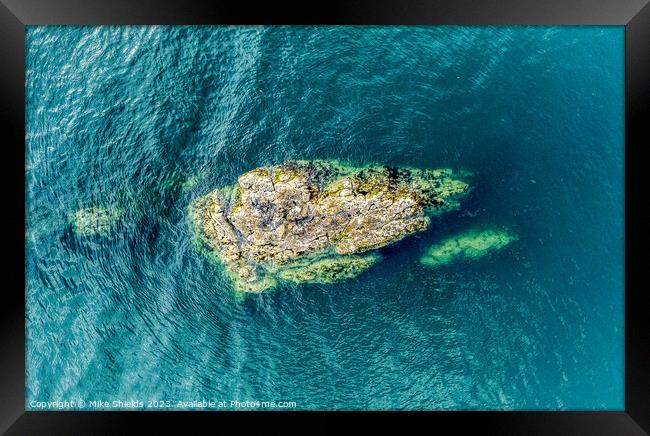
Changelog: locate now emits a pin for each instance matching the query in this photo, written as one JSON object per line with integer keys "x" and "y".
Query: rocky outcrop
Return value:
{"x": 306, "y": 221}
{"x": 471, "y": 244}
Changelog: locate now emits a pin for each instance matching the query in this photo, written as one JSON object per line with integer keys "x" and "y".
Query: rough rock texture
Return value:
{"x": 471, "y": 244}
{"x": 306, "y": 220}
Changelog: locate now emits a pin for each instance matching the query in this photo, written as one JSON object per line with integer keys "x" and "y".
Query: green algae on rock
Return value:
{"x": 327, "y": 270}
{"x": 304, "y": 220}
{"x": 471, "y": 244}
{"x": 95, "y": 221}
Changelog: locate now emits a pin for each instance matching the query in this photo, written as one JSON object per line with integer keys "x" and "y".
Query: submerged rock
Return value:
{"x": 95, "y": 221}
{"x": 470, "y": 244}
{"x": 305, "y": 221}
{"x": 327, "y": 270}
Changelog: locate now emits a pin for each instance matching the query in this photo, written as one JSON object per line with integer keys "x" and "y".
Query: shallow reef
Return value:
{"x": 95, "y": 220}
{"x": 307, "y": 221}
{"x": 328, "y": 269}
{"x": 471, "y": 244}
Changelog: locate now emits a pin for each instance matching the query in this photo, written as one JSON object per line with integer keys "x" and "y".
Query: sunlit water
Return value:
{"x": 150, "y": 117}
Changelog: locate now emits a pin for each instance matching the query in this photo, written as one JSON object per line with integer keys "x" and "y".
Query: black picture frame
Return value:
{"x": 633, "y": 14}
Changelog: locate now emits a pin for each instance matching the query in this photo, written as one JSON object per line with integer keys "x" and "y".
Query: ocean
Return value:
{"x": 147, "y": 118}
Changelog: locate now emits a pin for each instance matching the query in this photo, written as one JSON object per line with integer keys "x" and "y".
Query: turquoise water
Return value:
{"x": 148, "y": 118}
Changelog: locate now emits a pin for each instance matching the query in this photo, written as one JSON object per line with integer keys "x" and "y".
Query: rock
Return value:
{"x": 327, "y": 270}
{"x": 95, "y": 221}
{"x": 472, "y": 244}
{"x": 306, "y": 220}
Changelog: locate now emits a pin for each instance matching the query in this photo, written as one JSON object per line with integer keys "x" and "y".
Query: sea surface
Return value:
{"x": 148, "y": 118}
